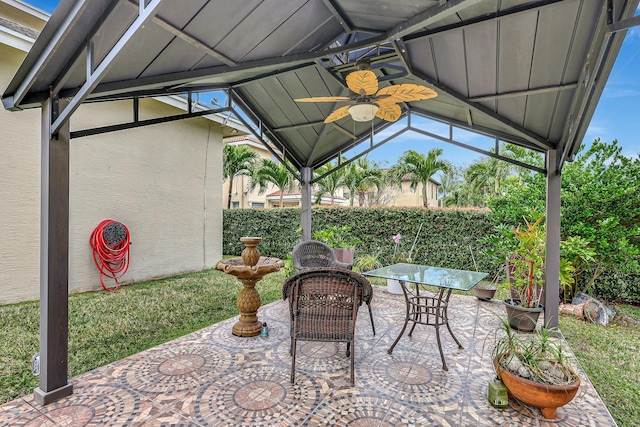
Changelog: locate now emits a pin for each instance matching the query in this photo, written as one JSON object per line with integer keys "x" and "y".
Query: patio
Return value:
{"x": 211, "y": 377}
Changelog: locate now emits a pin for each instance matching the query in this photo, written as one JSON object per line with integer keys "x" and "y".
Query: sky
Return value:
{"x": 617, "y": 115}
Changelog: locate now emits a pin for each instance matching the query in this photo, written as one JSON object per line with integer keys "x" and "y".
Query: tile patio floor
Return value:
{"x": 212, "y": 378}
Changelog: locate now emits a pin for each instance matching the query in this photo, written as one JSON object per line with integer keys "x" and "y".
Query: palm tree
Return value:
{"x": 419, "y": 168}
{"x": 270, "y": 172}
{"x": 361, "y": 177}
{"x": 237, "y": 160}
{"x": 330, "y": 183}
{"x": 449, "y": 185}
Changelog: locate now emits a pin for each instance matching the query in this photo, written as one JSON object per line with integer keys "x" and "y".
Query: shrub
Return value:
{"x": 447, "y": 238}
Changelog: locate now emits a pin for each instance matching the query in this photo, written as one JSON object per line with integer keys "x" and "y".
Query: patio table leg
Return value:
{"x": 437, "y": 325}
{"x": 406, "y": 318}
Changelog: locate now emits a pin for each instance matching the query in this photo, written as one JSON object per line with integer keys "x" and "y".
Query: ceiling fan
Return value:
{"x": 367, "y": 101}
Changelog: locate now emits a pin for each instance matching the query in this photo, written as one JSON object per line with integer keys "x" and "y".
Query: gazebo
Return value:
{"x": 519, "y": 71}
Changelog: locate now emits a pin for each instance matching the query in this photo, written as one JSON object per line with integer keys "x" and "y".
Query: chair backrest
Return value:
{"x": 323, "y": 303}
{"x": 313, "y": 254}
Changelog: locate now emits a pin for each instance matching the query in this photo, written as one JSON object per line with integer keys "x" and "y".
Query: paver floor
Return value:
{"x": 212, "y": 378}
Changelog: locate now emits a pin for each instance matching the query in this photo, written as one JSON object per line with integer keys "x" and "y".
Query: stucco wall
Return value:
{"x": 406, "y": 197}
{"x": 163, "y": 181}
{"x": 19, "y": 193}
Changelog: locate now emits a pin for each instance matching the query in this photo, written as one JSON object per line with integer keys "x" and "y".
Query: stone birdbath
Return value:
{"x": 249, "y": 269}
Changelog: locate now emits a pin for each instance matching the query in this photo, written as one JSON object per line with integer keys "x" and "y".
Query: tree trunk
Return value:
{"x": 281, "y": 198}
{"x": 230, "y": 189}
{"x": 425, "y": 200}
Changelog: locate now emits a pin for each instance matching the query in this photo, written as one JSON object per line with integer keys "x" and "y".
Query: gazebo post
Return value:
{"x": 305, "y": 219}
{"x": 54, "y": 258}
{"x": 552, "y": 257}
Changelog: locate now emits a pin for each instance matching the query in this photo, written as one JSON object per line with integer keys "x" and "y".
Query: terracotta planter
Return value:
{"x": 522, "y": 319}
{"x": 484, "y": 292}
{"x": 345, "y": 255}
{"x": 544, "y": 396}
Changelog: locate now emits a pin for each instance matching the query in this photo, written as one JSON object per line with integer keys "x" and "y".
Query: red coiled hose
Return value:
{"x": 110, "y": 242}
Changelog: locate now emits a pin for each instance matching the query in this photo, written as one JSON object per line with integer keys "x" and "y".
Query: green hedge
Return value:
{"x": 447, "y": 237}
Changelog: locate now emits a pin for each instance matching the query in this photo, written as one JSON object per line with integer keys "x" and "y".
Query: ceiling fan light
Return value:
{"x": 363, "y": 111}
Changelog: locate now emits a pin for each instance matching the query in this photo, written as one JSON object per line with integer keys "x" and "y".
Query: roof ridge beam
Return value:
{"x": 94, "y": 77}
{"x": 198, "y": 44}
{"x": 427, "y": 17}
{"x": 478, "y": 108}
{"x": 526, "y": 92}
{"x": 344, "y": 22}
{"x": 47, "y": 53}
{"x": 485, "y": 18}
{"x": 183, "y": 77}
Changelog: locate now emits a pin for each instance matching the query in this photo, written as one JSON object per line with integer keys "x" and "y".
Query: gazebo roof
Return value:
{"x": 527, "y": 72}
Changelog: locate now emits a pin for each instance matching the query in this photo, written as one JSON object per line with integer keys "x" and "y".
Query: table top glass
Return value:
{"x": 462, "y": 280}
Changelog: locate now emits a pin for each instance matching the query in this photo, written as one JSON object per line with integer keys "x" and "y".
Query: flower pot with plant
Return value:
{"x": 525, "y": 276}
{"x": 340, "y": 240}
{"x": 534, "y": 368}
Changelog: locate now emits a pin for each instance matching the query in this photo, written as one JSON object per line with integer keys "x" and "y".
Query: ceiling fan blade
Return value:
{"x": 407, "y": 92}
{"x": 323, "y": 99}
{"x": 363, "y": 80}
{"x": 338, "y": 114}
{"x": 389, "y": 112}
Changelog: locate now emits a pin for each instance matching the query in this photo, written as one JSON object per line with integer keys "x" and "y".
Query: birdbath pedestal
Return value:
{"x": 249, "y": 269}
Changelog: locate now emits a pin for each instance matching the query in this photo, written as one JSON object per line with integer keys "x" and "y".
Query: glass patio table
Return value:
{"x": 428, "y": 309}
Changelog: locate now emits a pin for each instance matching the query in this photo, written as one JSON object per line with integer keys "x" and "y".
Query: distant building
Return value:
{"x": 406, "y": 197}
{"x": 244, "y": 198}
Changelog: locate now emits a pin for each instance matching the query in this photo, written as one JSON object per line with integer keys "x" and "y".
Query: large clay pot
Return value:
{"x": 484, "y": 292}
{"x": 522, "y": 319}
{"x": 544, "y": 396}
{"x": 345, "y": 254}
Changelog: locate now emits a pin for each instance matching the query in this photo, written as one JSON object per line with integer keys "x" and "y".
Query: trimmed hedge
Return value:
{"x": 447, "y": 238}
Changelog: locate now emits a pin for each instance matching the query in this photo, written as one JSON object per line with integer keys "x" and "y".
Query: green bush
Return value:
{"x": 600, "y": 204}
{"x": 447, "y": 237}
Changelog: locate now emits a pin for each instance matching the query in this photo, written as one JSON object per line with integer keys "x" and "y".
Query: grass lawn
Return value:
{"x": 105, "y": 327}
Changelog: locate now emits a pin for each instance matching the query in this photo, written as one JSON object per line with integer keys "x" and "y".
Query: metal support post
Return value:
{"x": 305, "y": 220}
{"x": 552, "y": 258}
{"x": 54, "y": 259}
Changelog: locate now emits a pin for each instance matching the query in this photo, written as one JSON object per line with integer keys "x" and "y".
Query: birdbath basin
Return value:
{"x": 249, "y": 269}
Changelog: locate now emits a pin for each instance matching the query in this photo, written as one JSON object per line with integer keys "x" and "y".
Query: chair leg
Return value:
{"x": 348, "y": 349}
{"x": 371, "y": 316}
{"x": 293, "y": 360}
{"x": 352, "y": 366}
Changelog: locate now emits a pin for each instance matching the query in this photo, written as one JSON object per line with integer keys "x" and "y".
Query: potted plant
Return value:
{"x": 366, "y": 262}
{"x": 525, "y": 276}
{"x": 525, "y": 271}
{"x": 340, "y": 240}
{"x": 534, "y": 368}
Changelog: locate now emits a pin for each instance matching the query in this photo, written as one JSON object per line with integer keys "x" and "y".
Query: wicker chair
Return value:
{"x": 323, "y": 306}
{"x": 314, "y": 254}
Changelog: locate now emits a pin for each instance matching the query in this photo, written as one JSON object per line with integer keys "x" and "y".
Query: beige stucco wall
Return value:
{"x": 406, "y": 197}
{"x": 163, "y": 181}
{"x": 19, "y": 193}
